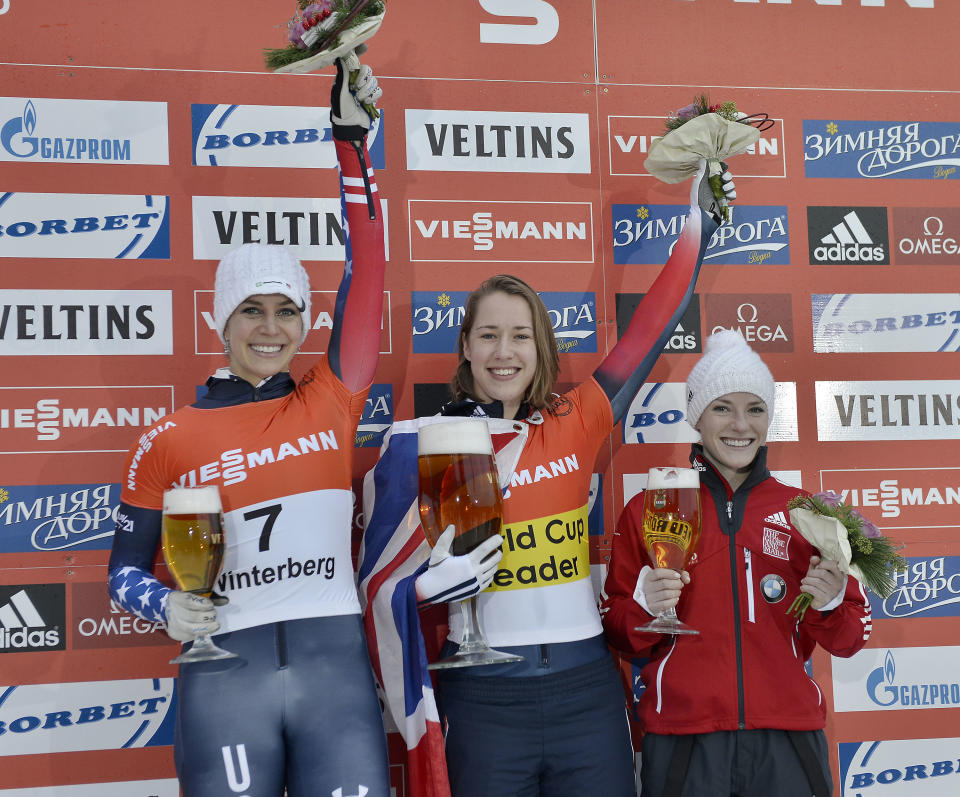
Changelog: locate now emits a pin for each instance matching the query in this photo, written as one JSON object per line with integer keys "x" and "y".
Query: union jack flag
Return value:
{"x": 393, "y": 553}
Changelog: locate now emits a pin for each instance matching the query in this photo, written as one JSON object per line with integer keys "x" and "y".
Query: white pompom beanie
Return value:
{"x": 259, "y": 269}
{"x": 728, "y": 365}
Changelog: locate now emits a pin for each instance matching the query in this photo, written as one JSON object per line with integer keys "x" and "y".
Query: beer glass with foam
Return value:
{"x": 671, "y": 529}
{"x": 459, "y": 486}
{"x": 193, "y": 543}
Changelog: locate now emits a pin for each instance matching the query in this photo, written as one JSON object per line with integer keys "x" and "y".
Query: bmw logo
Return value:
{"x": 773, "y": 588}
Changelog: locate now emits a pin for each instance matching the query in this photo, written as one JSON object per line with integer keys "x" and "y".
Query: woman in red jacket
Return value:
{"x": 733, "y": 710}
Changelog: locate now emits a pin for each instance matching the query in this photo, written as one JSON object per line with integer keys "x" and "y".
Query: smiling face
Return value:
{"x": 264, "y": 334}
{"x": 502, "y": 351}
{"x": 733, "y": 427}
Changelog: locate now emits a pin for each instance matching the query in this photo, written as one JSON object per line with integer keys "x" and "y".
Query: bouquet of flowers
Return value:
{"x": 324, "y": 30}
{"x": 701, "y": 130}
{"x": 841, "y": 533}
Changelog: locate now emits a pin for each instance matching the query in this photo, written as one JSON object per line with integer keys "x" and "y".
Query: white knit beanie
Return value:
{"x": 728, "y": 365}
{"x": 259, "y": 269}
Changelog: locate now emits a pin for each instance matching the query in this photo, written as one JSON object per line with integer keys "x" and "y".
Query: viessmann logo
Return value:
{"x": 848, "y": 236}
{"x": 78, "y": 322}
{"x": 78, "y": 419}
{"x": 507, "y": 231}
{"x": 132, "y": 227}
{"x": 318, "y": 338}
{"x": 32, "y": 618}
{"x": 288, "y": 136}
{"x": 83, "y": 131}
{"x": 497, "y": 141}
{"x": 311, "y": 228}
{"x": 57, "y": 517}
{"x": 899, "y": 150}
{"x": 630, "y": 139}
{"x": 647, "y": 234}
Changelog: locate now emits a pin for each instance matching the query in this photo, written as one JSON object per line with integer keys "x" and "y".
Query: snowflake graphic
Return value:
{"x": 443, "y": 300}
{"x": 4, "y": 496}
{"x": 832, "y": 128}
{"x": 642, "y": 213}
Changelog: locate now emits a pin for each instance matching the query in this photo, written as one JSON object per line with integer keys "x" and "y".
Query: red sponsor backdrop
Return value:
{"x": 617, "y": 69}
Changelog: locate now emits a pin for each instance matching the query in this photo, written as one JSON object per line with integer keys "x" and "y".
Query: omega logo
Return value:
{"x": 741, "y": 313}
{"x": 926, "y": 226}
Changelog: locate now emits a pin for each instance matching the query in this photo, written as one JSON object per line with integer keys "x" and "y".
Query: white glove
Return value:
{"x": 353, "y": 99}
{"x": 454, "y": 578}
{"x": 190, "y": 615}
{"x": 701, "y": 192}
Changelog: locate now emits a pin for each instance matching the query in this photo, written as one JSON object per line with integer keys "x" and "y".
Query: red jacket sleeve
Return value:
{"x": 620, "y": 613}
{"x": 842, "y": 631}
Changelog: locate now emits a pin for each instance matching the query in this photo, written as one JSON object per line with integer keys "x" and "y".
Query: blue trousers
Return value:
{"x": 298, "y": 710}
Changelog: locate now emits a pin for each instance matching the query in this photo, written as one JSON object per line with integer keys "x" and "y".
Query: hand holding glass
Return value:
{"x": 671, "y": 530}
{"x": 193, "y": 544}
{"x": 459, "y": 486}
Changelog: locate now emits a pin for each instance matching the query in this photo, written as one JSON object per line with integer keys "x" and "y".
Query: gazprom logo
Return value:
{"x": 758, "y": 235}
{"x": 98, "y": 226}
{"x": 281, "y": 136}
{"x": 83, "y": 131}
{"x": 377, "y": 416}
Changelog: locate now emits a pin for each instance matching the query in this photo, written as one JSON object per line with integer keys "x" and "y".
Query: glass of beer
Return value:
{"x": 193, "y": 544}
{"x": 671, "y": 530}
{"x": 459, "y": 486}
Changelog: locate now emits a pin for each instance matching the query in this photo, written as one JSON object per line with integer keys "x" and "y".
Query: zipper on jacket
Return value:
{"x": 734, "y": 582}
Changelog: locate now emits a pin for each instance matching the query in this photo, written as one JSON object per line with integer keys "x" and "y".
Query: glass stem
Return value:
{"x": 472, "y": 637}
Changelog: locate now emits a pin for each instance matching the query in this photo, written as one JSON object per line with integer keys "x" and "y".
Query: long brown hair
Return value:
{"x": 548, "y": 362}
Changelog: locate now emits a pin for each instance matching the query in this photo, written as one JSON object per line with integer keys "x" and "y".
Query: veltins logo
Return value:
{"x": 848, "y": 236}
{"x": 318, "y": 338}
{"x": 893, "y": 410}
{"x": 98, "y": 715}
{"x": 657, "y": 414}
{"x": 883, "y": 679}
{"x": 465, "y": 231}
{"x": 899, "y": 767}
{"x": 911, "y": 150}
{"x": 648, "y": 233}
{"x": 765, "y": 319}
{"x": 32, "y": 618}
{"x": 99, "y": 623}
{"x": 497, "y": 141}
{"x": 902, "y": 497}
{"x": 437, "y": 318}
{"x": 377, "y": 416}
{"x": 61, "y": 420}
{"x": 83, "y": 131}
{"x": 929, "y": 587}
{"x": 311, "y": 228}
{"x": 886, "y": 322}
{"x": 285, "y": 136}
{"x": 77, "y": 322}
{"x": 926, "y": 236}
{"x": 57, "y": 517}
{"x": 686, "y": 338}
{"x": 630, "y": 139}
{"x": 133, "y": 227}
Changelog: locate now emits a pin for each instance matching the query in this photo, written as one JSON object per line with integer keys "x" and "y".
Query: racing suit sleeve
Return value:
{"x": 845, "y": 630}
{"x": 355, "y": 341}
{"x": 136, "y": 540}
{"x": 619, "y": 610}
{"x": 629, "y": 363}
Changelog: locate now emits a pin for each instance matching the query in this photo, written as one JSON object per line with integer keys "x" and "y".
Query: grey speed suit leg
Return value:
{"x": 299, "y": 710}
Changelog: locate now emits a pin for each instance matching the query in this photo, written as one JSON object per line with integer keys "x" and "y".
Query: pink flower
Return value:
{"x": 296, "y": 34}
{"x": 688, "y": 111}
{"x": 868, "y": 528}
{"x": 830, "y": 498}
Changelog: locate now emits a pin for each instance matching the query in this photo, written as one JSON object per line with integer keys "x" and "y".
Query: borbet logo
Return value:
{"x": 83, "y": 322}
{"x": 848, "y": 236}
{"x": 31, "y": 617}
{"x": 630, "y": 139}
{"x": 511, "y": 231}
{"x": 78, "y": 419}
{"x": 497, "y": 141}
{"x": 764, "y": 320}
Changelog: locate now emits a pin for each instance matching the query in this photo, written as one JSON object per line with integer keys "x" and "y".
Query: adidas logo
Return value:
{"x": 778, "y": 519}
{"x": 22, "y": 627}
{"x": 848, "y": 242}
